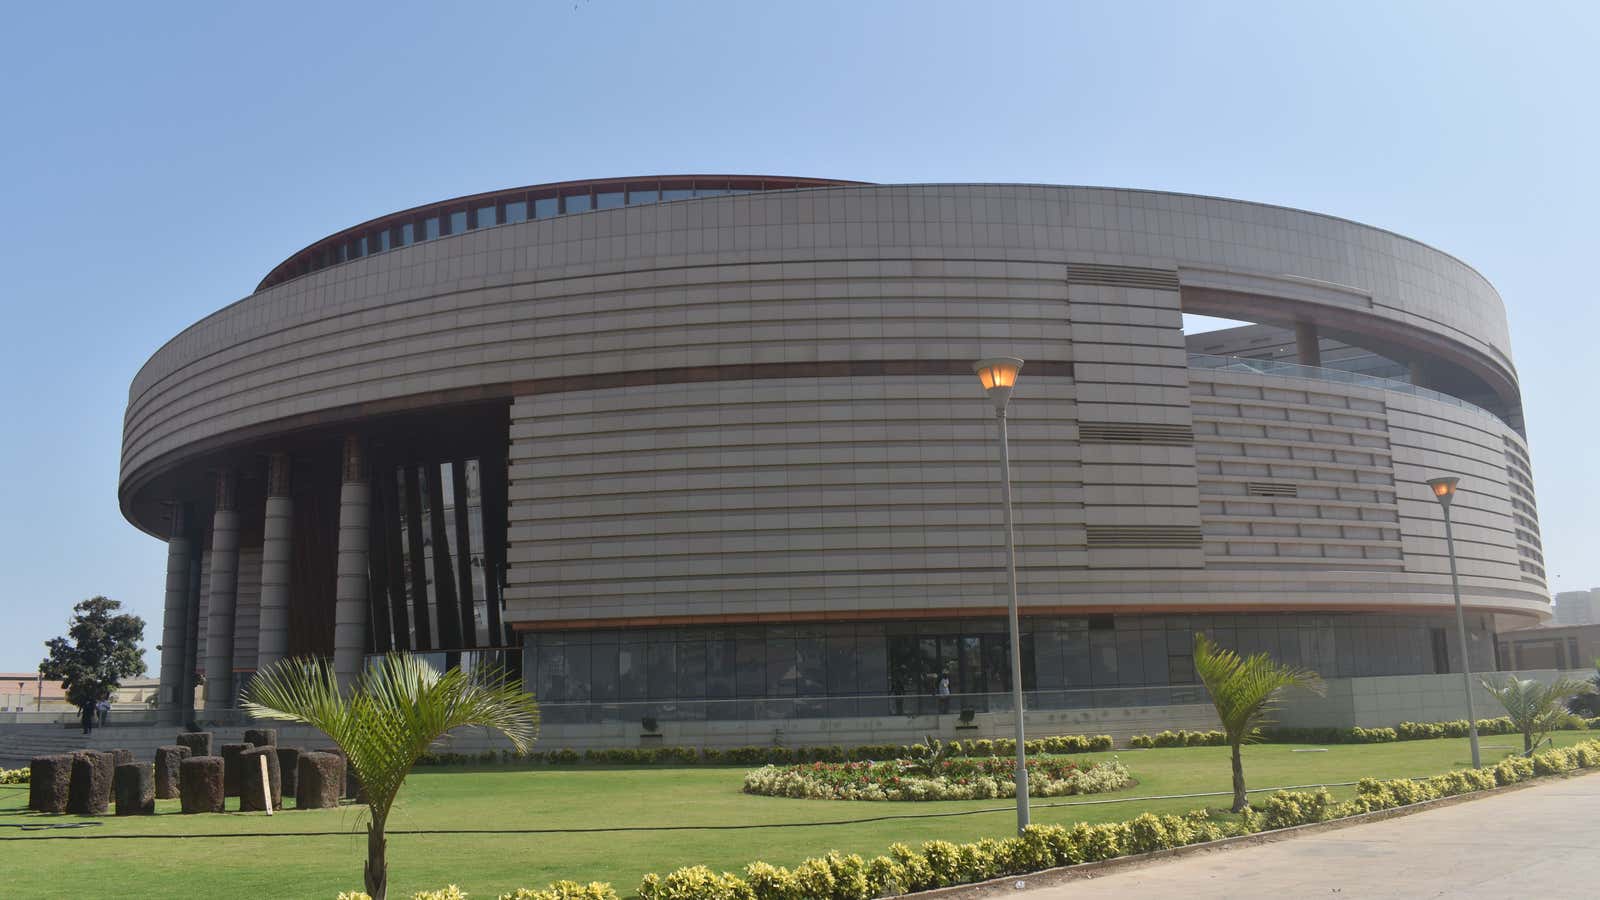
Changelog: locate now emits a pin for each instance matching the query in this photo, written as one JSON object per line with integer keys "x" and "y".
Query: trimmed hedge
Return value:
{"x": 14, "y": 776}
{"x": 1179, "y": 739}
{"x": 760, "y": 756}
{"x": 1405, "y": 731}
{"x": 936, "y": 864}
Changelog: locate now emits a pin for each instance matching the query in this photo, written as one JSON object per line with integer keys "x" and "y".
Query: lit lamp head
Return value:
{"x": 998, "y": 375}
{"x": 1444, "y": 488}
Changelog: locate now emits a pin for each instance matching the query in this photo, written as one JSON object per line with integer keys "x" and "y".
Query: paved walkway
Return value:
{"x": 1536, "y": 842}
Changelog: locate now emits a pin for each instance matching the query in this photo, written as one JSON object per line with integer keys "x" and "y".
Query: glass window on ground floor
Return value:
{"x": 877, "y": 668}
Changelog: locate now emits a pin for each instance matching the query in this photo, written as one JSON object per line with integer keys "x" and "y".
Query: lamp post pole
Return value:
{"x": 998, "y": 377}
{"x": 1444, "y": 489}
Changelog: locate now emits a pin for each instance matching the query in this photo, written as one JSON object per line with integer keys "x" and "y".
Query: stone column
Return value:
{"x": 275, "y": 554}
{"x": 1307, "y": 344}
{"x": 350, "y": 592}
{"x": 175, "y": 624}
{"x": 1417, "y": 372}
{"x": 224, "y": 588}
{"x": 191, "y": 644}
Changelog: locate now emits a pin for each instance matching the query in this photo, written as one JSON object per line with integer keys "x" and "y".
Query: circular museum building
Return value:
{"x": 711, "y": 448}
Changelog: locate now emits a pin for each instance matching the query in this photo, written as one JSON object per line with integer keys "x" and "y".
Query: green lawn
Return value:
{"x": 316, "y": 853}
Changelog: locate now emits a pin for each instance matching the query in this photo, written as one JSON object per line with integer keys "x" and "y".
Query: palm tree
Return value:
{"x": 1536, "y": 708}
{"x": 395, "y": 710}
{"x": 1245, "y": 690}
{"x": 1588, "y": 704}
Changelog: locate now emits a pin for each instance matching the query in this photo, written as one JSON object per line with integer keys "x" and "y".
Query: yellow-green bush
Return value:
{"x": 886, "y": 877}
{"x": 449, "y": 892}
{"x": 14, "y": 776}
{"x": 1097, "y": 842}
{"x": 1285, "y": 809}
{"x": 1144, "y": 834}
{"x": 565, "y": 890}
{"x": 561, "y": 890}
{"x": 1513, "y": 769}
{"x": 918, "y": 873}
{"x": 695, "y": 883}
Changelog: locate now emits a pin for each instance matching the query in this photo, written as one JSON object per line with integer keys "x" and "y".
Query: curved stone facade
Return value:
{"x": 757, "y": 410}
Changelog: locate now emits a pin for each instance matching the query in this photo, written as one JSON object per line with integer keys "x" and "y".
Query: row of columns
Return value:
{"x": 178, "y": 648}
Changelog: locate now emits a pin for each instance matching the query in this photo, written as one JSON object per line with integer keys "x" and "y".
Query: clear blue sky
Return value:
{"x": 158, "y": 159}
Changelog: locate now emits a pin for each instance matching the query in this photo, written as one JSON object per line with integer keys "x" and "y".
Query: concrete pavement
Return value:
{"x": 1535, "y": 842}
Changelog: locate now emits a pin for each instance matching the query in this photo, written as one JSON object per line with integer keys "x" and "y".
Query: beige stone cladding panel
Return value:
{"x": 695, "y": 283}
{"x": 1433, "y": 438}
{"x": 1131, "y": 372}
{"x": 1295, "y": 473}
{"x": 701, "y": 283}
{"x": 1315, "y": 258}
{"x": 786, "y": 496}
{"x": 1409, "y": 439}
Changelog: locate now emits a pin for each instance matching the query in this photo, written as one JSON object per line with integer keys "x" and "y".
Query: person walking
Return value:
{"x": 103, "y": 708}
{"x": 943, "y": 690}
{"x": 86, "y": 715}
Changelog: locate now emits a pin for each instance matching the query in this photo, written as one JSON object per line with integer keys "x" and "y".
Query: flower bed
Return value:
{"x": 946, "y": 779}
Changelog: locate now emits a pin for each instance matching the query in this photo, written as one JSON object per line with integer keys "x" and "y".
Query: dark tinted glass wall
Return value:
{"x": 886, "y": 668}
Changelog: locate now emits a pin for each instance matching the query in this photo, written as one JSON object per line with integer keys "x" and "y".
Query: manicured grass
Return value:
{"x": 316, "y": 853}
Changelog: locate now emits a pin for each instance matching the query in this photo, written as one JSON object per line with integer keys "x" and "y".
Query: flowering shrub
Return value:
{"x": 14, "y": 776}
{"x": 948, "y": 779}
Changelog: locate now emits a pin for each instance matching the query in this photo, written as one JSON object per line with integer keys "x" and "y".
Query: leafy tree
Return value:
{"x": 101, "y": 648}
{"x": 1536, "y": 708}
{"x": 396, "y": 709}
{"x": 1245, "y": 691}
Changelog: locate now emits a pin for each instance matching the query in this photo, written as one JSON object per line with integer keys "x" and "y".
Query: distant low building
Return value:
{"x": 27, "y": 692}
{"x": 1550, "y": 647}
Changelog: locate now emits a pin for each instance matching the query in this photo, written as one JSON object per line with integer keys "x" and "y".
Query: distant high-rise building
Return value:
{"x": 1578, "y": 607}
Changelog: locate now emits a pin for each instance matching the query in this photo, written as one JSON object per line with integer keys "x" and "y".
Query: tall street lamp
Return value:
{"x": 999, "y": 376}
{"x": 1444, "y": 490}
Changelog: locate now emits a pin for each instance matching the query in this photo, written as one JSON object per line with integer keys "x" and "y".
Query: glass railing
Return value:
{"x": 1277, "y": 369}
{"x": 509, "y": 207}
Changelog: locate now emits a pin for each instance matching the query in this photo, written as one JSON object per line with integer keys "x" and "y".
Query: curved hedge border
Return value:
{"x": 944, "y": 864}
{"x": 950, "y": 779}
